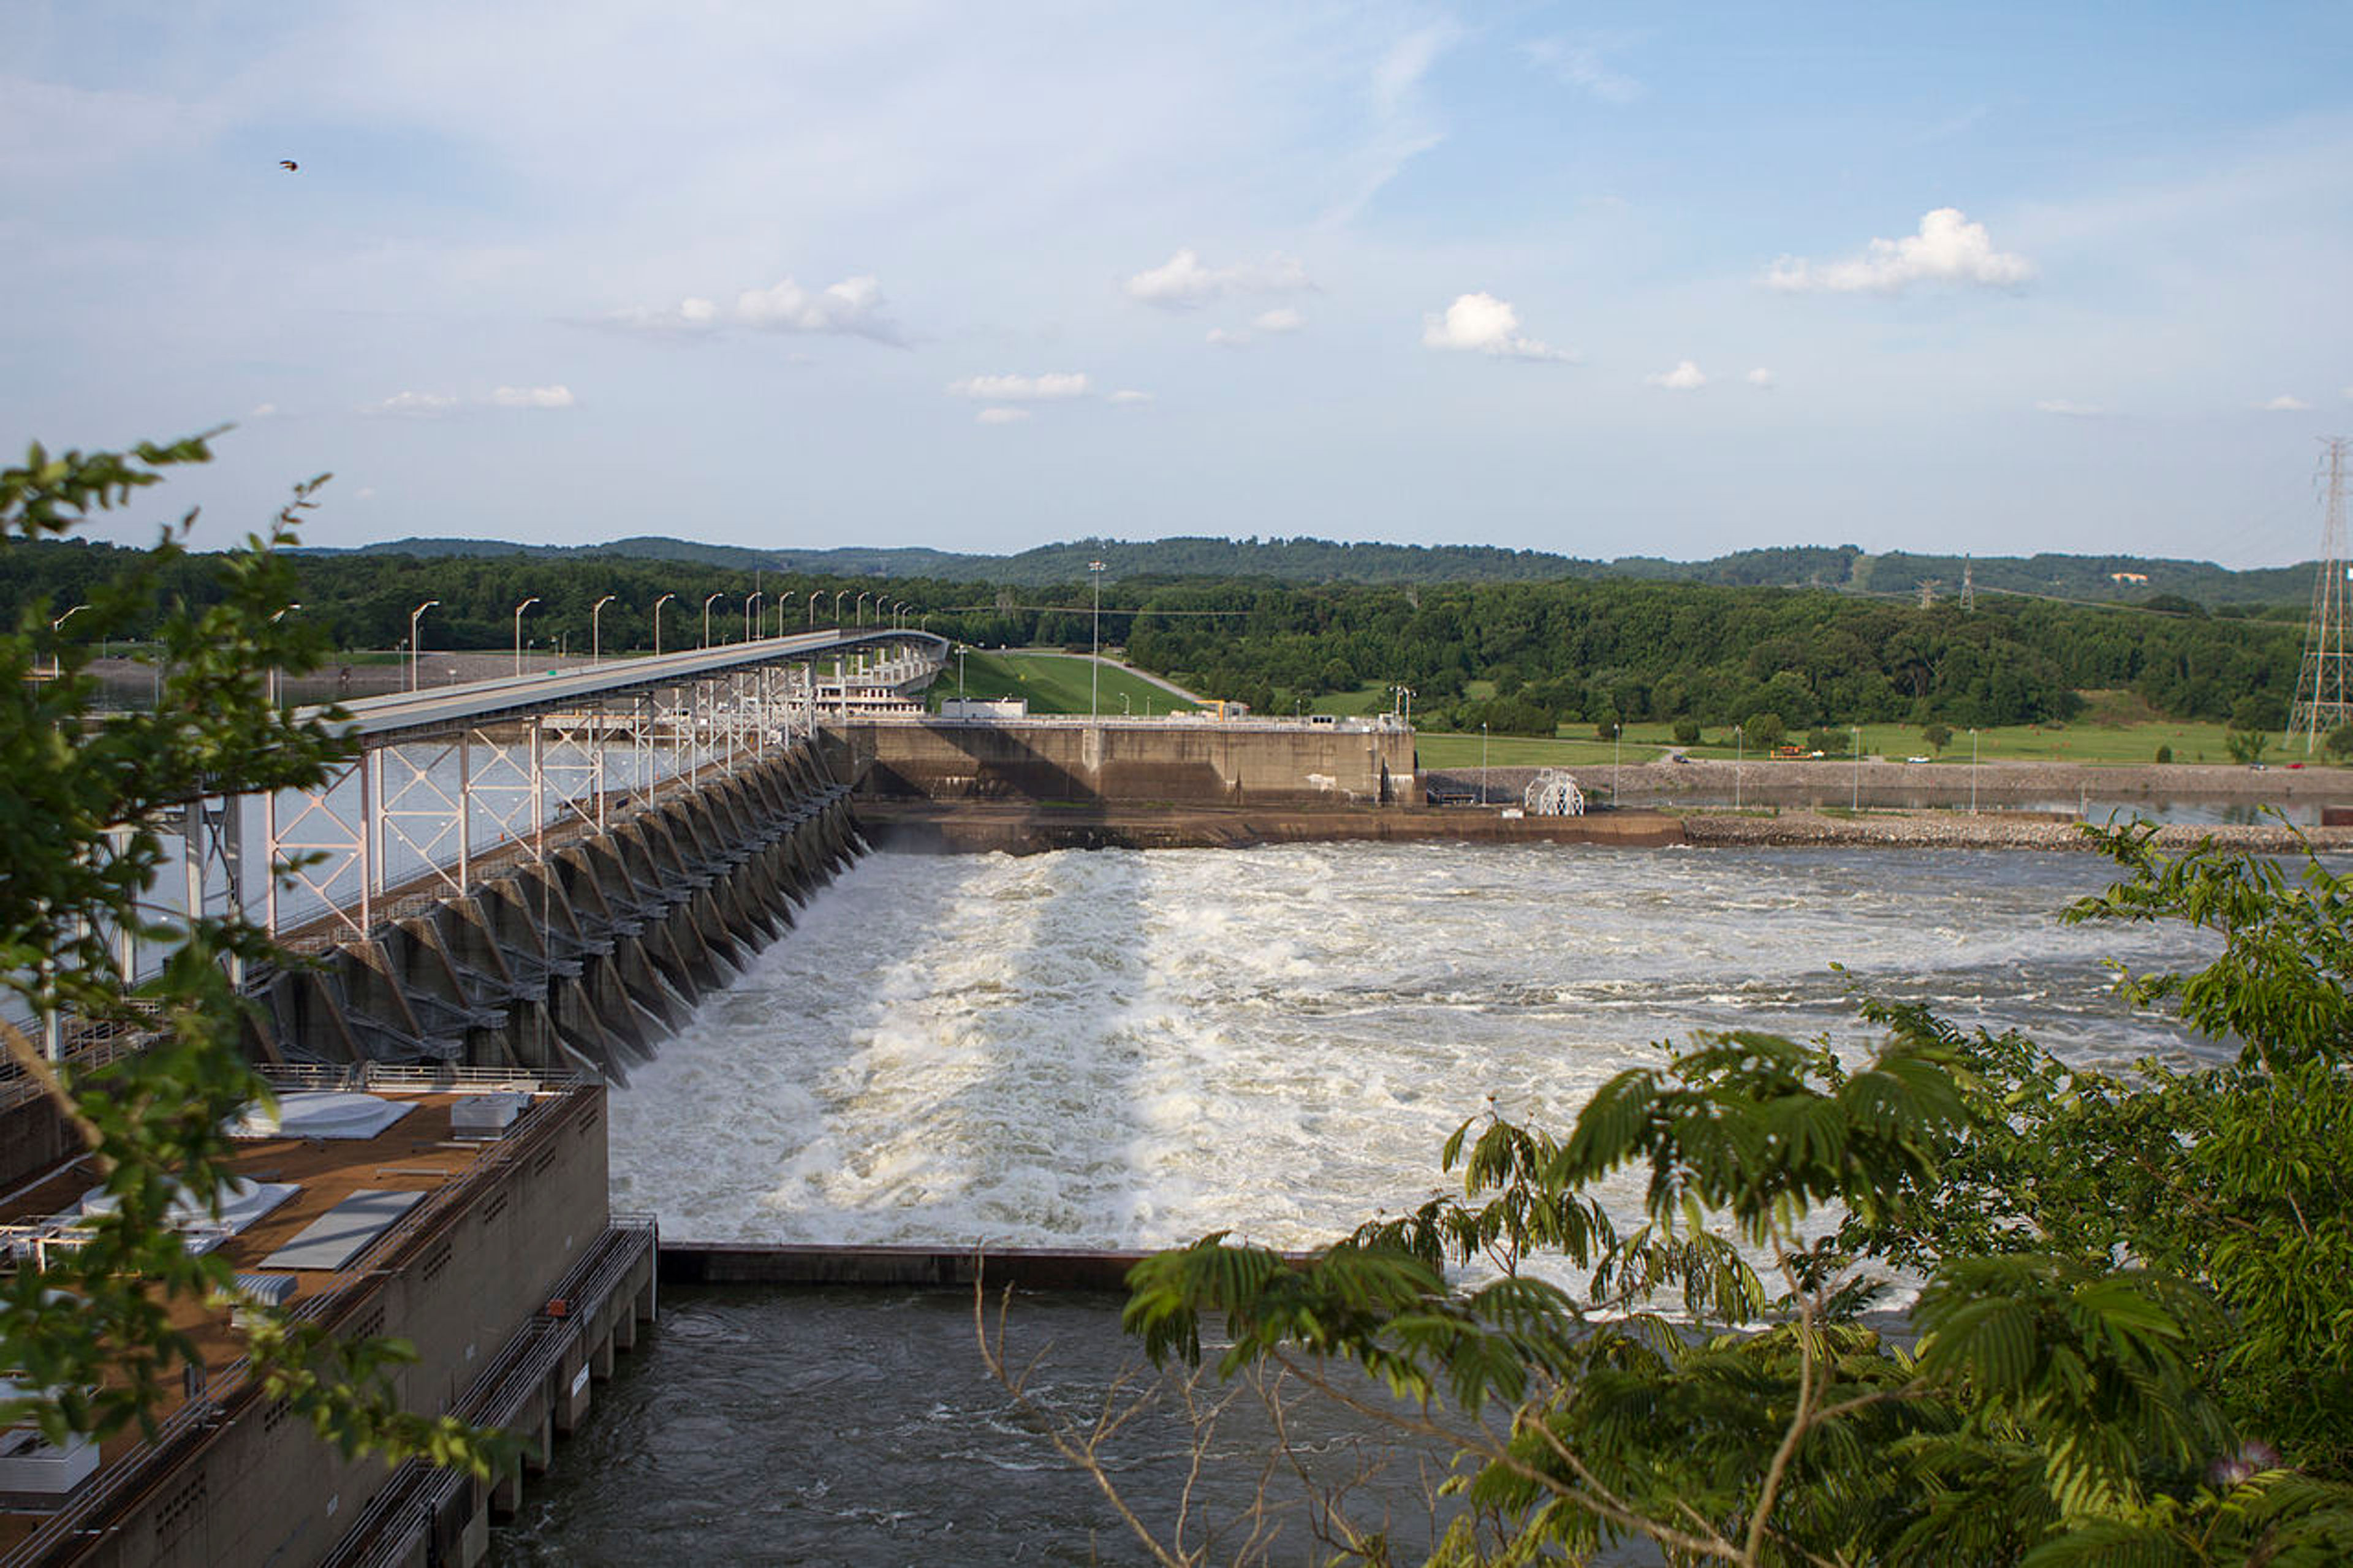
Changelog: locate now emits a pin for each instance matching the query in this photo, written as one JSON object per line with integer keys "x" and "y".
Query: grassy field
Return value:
{"x": 2094, "y": 744}
{"x": 1054, "y": 683}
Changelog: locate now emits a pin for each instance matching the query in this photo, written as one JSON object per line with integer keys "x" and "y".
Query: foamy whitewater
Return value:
{"x": 1123, "y": 1049}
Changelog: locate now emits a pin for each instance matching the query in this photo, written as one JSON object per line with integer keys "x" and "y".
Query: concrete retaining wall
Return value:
{"x": 1244, "y": 763}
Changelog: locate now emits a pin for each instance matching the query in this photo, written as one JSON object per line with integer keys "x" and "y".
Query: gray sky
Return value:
{"x": 1606, "y": 279}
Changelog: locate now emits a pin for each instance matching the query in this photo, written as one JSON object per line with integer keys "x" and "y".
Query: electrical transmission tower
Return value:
{"x": 1968, "y": 583}
{"x": 1928, "y": 586}
{"x": 2322, "y": 702}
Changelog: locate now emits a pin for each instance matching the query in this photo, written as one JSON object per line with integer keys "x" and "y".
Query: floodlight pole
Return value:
{"x": 596, "y": 629}
{"x": 526, "y": 605}
{"x": 1094, "y": 664}
{"x": 414, "y": 616}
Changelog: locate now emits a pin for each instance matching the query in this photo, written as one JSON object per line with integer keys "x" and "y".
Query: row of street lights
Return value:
{"x": 899, "y": 610}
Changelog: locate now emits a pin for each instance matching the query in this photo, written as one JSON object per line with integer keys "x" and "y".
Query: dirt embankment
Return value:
{"x": 1877, "y": 782}
{"x": 1986, "y": 830}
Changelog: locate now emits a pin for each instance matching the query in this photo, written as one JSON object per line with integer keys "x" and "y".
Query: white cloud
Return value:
{"x": 852, "y": 308}
{"x": 1484, "y": 324}
{"x": 416, "y": 404}
{"x": 1001, "y": 415}
{"x": 2066, "y": 409}
{"x": 1578, "y": 63}
{"x": 1759, "y": 378}
{"x": 691, "y": 316}
{"x": 531, "y": 397}
{"x": 1283, "y": 318}
{"x": 1948, "y": 249}
{"x": 1020, "y": 388}
{"x": 1182, "y": 283}
{"x": 1685, "y": 377}
{"x": 2286, "y": 403}
{"x": 428, "y": 405}
{"x": 1226, "y": 337}
{"x": 1402, "y": 125}
{"x": 1126, "y": 399}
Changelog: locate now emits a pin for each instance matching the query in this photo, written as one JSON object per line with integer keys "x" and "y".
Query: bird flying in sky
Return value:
{"x": 288, "y": 165}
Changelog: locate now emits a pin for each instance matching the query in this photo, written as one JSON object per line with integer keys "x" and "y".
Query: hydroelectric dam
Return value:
{"x": 506, "y": 901}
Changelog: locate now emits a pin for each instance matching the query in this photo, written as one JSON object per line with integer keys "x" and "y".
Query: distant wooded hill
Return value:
{"x": 2100, "y": 578}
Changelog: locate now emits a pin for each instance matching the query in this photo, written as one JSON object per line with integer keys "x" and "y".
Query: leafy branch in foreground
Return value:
{"x": 2131, "y": 1335}
{"x": 89, "y": 1333}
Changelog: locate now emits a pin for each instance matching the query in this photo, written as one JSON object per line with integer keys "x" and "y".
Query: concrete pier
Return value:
{"x": 586, "y": 957}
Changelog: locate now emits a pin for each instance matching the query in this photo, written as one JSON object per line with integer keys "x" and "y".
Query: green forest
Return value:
{"x": 1895, "y": 574}
{"x": 1521, "y": 657}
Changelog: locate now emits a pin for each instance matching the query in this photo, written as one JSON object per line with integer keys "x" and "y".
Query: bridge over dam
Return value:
{"x": 544, "y": 873}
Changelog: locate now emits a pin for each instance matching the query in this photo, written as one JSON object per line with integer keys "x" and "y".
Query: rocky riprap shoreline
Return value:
{"x": 1986, "y": 830}
{"x": 1878, "y": 781}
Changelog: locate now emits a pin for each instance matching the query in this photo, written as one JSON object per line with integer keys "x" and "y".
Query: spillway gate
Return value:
{"x": 545, "y": 872}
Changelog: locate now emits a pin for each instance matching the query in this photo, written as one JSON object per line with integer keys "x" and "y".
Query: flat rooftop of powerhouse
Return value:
{"x": 419, "y": 1155}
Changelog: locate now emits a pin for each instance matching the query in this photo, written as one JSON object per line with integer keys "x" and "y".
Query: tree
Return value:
{"x": 2338, "y": 743}
{"x": 2134, "y": 1334}
{"x": 81, "y": 844}
{"x": 1765, "y": 730}
{"x": 2245, "y": 746}
{"x": 1687, "y": 731}
{"x": 1938, "y": 737}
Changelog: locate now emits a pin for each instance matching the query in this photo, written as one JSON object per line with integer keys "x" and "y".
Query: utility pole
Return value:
{"x": 1094, "y": 665}
{"x": 2321, "y": 699}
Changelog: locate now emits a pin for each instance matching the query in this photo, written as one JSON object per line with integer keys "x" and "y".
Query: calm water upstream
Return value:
{"x": 1123, "y": 1049}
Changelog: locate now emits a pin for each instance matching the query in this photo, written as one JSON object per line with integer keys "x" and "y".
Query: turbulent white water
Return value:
{"x": 1124, "y": 1049}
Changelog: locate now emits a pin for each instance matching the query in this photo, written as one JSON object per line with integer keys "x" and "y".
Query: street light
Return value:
{"x": 1739, "y": 754}
{"x": 706, "y": 616}
{"x": 812, "y": 599}
{"x": 860, "y": 608}
{"x": 595, "y": 631}
{"x": 1973, "y": 770}
{"x": 751, "y": 614}
{"x": 838, "y": 597}
{"x": 526, "y": 605}
{"x": 274, "y": 671}
{"x": 56, "y": 659}
{"x": 1094, "y": 664}
{"x": 664, "y": 599}
{"x": 1482, "y": 761}
{"x": 416, "y": 616}
{"x": 1855, "y": 799}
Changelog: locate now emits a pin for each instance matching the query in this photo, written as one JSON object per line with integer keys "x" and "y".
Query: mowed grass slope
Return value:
{"x": 1054, "y": 683}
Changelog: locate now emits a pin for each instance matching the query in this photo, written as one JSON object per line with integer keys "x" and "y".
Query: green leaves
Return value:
{"x": 89, "y": 798}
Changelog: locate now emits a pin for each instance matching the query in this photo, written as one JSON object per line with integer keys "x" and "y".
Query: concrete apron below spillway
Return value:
{"x": 583, "y": 961}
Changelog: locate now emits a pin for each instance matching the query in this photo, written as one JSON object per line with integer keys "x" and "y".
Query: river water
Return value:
{"x": 1126, "y": 1050}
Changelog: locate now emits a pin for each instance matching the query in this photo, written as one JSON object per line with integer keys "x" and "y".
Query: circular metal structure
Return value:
{"x": 1552, "y": 793}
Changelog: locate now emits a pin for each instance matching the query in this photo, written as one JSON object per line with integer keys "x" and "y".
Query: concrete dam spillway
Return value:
{"x": 588, "y": 958}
